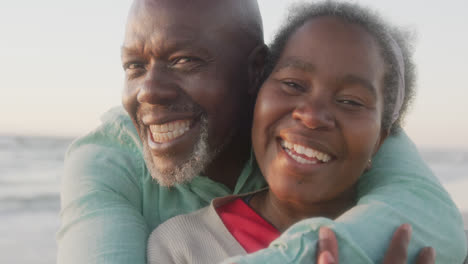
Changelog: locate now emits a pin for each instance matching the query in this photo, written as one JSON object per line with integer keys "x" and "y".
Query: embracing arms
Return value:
{"x": 101, "y": 219}
{"x": 399, "y": 189}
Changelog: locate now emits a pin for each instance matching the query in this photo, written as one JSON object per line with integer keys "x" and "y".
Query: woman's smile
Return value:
{"x": 304, "y": 154}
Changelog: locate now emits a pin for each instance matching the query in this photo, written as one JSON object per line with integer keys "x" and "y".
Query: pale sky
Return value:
{"x": 60, "y": 64}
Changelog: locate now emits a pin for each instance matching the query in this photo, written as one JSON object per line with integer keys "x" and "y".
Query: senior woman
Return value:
{"x": 339, "y": 82}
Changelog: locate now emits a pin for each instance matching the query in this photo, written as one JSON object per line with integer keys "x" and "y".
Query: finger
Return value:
{"x": 397, "y": 251}
{"x": 328, "y": 243}
{"x": 426, "y": 255}
{"x": 326, "y": 258}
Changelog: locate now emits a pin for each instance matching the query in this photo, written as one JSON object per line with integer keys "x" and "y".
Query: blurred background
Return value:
{"x": 60, "y": 70}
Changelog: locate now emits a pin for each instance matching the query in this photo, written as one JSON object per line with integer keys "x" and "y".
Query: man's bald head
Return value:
{"x": 240, "y": 15}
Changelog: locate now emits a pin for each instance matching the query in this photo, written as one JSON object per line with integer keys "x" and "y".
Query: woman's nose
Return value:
{"x": 315, "y": 114}
{"x": 158, "y": 87}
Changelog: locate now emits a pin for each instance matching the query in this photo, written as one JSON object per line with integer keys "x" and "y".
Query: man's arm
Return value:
{"x": 399, "y": 189}
{"x": 396, "y": 252}
{"x": 101, "y": 219}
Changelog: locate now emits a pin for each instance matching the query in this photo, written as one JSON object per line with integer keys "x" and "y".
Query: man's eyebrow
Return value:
{"x": 353, "y": 79}
{"x": 189, "y": 43}
{"x": 296, "y": 63}
{"x": 128, "y": 51}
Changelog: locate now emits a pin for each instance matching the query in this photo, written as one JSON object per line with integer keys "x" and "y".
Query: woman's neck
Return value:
{"x": 283, "y": 214}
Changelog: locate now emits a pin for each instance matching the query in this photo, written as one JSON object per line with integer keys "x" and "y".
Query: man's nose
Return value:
{"x": 315, "y": 114}
{"x": 158, "y": 87}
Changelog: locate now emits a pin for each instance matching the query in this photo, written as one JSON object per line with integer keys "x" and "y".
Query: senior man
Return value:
{"x": 192, "y": 70}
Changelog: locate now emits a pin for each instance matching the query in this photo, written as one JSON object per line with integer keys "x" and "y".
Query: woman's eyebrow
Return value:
{"x": 353, "y": 79}
{"x": 296, "y": 63}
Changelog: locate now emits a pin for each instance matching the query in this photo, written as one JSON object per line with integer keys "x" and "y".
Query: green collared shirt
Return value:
{"x": 110, "y": 204}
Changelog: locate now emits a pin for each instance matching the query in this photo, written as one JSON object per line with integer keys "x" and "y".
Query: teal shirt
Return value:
{"x": 110, "y": 204}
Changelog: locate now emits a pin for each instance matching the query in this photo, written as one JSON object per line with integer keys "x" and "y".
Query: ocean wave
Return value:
{"x": 445, "y": 156}
{"x": 37, "y": 202}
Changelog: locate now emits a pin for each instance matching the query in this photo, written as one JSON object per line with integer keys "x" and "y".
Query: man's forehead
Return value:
{"x": 167, "y": 24}
{"x": 180, "y": 33}
{"x": 187, "y": 18}
{"x": 180, "y": 38}
{"x": 232, "y": 12}
{"x": 175, "y": 7}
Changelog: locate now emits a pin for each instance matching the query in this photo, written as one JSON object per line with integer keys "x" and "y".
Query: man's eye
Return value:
{"x": 186, "y": 64}
{"x": 134, "y": 69}
{"x": 133, "y": 66}
{"x": 183, "y": 60}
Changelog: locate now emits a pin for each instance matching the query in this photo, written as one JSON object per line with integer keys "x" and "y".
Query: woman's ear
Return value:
{"x": 256, "y": 61}
{"x": 383, "y": 135}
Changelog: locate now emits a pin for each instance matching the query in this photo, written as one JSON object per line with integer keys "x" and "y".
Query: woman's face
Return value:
{"x": 317, "y": 120}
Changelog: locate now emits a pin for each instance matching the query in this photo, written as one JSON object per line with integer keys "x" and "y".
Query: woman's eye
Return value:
{"x": 291, "y": 87}
{"x": 348, "y": 102}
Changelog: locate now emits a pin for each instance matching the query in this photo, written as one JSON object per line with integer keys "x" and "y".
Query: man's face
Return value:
{"x": 186, "y": 81}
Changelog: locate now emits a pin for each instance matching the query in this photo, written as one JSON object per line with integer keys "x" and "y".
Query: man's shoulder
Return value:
{"x": 112, "y": 149}
{"x": 116, "y": 131}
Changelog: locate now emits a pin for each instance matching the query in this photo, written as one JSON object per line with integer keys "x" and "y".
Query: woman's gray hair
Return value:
{"x": 384, "y": 33}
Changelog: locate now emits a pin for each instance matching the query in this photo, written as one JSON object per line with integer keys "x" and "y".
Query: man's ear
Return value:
{"x": 256, "y": 61}
{"x": 383, "y": 135}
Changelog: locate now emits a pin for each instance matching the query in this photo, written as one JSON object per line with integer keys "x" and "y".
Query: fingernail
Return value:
{"x": 408, "y": 229}
{"x": 324, "y": 233}
{"x": 329, "y": 258}
{"x": 431, "y": 252}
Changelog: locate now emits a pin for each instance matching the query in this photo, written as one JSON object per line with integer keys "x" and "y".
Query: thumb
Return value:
{"x": 327, "y": 246}
{"x": 326, "y": 257}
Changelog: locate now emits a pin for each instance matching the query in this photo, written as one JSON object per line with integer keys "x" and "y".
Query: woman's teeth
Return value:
{"x": 299, "y": 158}
{"x": 299, "y": 149}
{"x": 169, "y": 131}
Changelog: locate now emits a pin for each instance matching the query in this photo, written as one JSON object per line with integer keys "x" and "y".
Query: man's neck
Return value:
{"x": 228, "y": 165}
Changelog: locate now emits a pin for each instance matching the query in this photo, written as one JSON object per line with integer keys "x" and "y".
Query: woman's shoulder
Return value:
{"x": 192, "y": 234}
{"x": 179, "y": 224}
{"x": 185, "y": 224}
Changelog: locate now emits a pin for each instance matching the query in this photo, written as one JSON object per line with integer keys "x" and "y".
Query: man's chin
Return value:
{"x": 171, "y": 170}
{"x": 165, "y": 170}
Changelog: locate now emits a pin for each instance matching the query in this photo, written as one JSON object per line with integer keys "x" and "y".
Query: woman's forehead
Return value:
{"x": 329, "y": 39}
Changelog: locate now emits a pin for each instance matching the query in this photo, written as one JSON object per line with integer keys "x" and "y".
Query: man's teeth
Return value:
{"x": 169, "y": 131}
{"x": 299, "y": 149}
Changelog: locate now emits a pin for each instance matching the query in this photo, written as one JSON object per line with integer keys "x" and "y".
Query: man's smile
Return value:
{"x": 168, "y": 131}
{"x": 172, "y": 135}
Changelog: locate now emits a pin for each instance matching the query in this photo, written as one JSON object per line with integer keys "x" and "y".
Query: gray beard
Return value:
{"x": 200, "y": 158}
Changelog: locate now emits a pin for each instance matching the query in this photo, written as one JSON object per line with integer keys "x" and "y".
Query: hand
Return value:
{"x": 396, "y": 252}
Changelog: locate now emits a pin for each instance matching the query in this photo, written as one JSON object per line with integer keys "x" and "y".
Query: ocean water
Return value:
{"x": 30, "y": 171}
